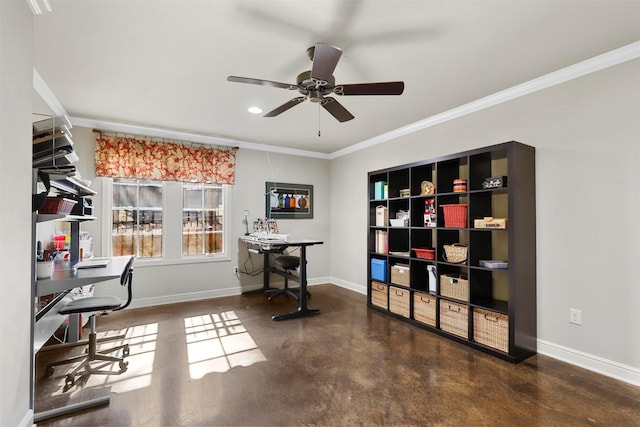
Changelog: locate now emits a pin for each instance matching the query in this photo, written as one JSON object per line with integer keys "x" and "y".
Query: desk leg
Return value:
{"x": 302, "y": 311}
{"x": 265, "y": 273}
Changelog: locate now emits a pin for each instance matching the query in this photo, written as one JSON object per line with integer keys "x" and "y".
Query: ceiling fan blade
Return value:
{"x": 336, "y": 109}
{"x": 260, "y": 82}
{"x": 383, "y": 88}
{"x": 325, "y": 59}
{"x": 284, "y": 107}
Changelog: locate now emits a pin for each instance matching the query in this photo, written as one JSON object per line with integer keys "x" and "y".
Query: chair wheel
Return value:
{"x": 69, "y": 381}
{"x": 49, "y": 371}
{"x": 123, "y": 365}
{"x": 125, "y": 350}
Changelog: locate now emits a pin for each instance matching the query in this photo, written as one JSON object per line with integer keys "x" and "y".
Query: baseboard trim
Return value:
{"x": 609, "y": 368}
{"x": 217, "y": 293}
{"x": 186, "y": 297}
{"x": 27, "y": 420}
{"x": 348, "y": 285}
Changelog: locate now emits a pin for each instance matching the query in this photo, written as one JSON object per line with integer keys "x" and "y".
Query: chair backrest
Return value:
{"x": 126, "y": 279}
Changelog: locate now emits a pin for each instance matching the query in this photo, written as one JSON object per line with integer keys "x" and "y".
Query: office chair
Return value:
{"x": 287, "y": 263}
{"x": 94, "y": 305}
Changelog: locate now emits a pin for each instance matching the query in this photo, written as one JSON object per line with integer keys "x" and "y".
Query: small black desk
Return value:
{"x": 266, "y": 247}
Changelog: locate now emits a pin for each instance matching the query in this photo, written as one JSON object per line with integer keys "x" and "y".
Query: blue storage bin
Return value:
{"x": 379, "y": 269}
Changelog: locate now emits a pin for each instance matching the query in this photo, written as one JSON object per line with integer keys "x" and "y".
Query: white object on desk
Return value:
{"x": 264, "y": 236}
{"x": 44, "y": 269}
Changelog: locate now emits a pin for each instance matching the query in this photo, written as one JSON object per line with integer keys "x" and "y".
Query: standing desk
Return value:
{"x": 66, "y": 278}
{"x": 266, "y": 246}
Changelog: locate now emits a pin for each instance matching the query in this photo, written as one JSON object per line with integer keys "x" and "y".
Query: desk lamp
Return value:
{"x": 246, "y": 222}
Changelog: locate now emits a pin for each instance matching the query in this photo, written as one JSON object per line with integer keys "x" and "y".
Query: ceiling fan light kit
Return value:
{"x": 318, "y": 83}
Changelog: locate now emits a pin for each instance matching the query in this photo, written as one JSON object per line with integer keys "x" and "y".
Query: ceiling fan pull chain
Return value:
{"x": 318, "y": 120}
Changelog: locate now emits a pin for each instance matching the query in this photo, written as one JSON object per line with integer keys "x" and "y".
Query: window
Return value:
{"x": 137, "y": 218}
{"x": 167, "y": 221}
{"x": 202, "y": 219}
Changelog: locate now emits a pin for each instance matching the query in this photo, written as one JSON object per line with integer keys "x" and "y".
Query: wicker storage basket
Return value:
{"x": 379, "y": 294}
{"x": 456, "y": 253}
{"x": 454, "y": 287}
{"x": 424, "y": 308}
{"x": 424, "y": 253}
{"x": 455, "y": 215}
{"x": 491, "y": 328}
{"x": 399, "y": 301}
{"x": 400, "y": 274}
{"x": 454, "y": 318}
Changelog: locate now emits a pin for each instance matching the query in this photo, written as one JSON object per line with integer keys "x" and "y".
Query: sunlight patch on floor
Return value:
{"x": 142, "y": 346}
{"x": 218, "y": 342}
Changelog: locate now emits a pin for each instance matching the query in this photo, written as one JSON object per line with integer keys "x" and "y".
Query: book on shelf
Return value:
{"x": 382, "y": 242}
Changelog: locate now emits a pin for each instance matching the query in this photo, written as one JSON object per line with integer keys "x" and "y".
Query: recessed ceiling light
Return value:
{"x": 255, "y": 110}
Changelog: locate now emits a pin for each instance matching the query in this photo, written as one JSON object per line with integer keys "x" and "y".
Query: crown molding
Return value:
{"x": 191, "y": 137}
{"x": 597, "y": 63}
{"x": 47, "y": 95}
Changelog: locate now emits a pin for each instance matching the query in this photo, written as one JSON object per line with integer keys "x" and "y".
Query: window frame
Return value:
{"x": 171, "y": 226}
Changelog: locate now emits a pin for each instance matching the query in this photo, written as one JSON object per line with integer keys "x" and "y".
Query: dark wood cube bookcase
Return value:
{"x": 499, "y": 316}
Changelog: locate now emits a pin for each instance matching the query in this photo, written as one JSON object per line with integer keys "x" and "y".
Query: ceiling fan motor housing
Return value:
{"x": 306, "y": 84}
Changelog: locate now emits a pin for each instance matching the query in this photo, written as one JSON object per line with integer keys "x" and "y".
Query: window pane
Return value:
{"x": 150, "y": 196}
{"x": 202, "y": 231}
{"x": 137, "y": 230}
{"x": 192, "y": 198}
{"x": 213, "y": 197}
{"x": 124, "y": 195}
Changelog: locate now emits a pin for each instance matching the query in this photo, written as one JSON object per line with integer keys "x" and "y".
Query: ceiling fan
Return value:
{"x": 319, "y": 82}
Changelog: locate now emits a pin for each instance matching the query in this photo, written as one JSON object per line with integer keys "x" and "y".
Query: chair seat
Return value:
{"x": 89, "y": 304}
{"x": 287, "y": 262}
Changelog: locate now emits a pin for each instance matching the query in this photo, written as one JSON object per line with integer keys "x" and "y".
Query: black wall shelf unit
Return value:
{"x": 487, "y": 307}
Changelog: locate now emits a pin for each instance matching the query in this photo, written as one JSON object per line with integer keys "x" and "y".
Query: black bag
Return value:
{"x": 37, "y": 200}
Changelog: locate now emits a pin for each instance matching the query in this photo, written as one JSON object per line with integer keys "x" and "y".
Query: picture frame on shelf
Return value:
{"x": 288, "y": 201}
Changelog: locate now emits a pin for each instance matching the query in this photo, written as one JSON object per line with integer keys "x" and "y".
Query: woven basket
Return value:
{"x": 456, "y": 253}
{"x": 399, "y": 301}
{"x": 379, "y": 294}
{"x": 454, "y": 287}
{"x": 455, "y": 215}
{"x": 424, "y": 308}
{"x": 491, "y": 329}
{"x": 454, "y": 318}
{"x": 400, "y": 274}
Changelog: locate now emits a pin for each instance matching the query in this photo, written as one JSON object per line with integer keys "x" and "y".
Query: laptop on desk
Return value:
{"x": 93, "y": 263}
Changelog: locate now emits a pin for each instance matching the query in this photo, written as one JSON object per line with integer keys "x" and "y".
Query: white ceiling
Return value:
{"x": 163, "y": 64}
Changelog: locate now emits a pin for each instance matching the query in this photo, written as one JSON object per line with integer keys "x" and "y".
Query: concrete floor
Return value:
{"x": 224, "y": 362}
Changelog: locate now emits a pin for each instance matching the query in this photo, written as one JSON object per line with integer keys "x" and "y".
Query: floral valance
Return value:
{"x": 125, "y": 157}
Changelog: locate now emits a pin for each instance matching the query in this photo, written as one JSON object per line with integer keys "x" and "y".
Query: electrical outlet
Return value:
{"x": 236, "y": 270}
{"x": 575, "y": 316}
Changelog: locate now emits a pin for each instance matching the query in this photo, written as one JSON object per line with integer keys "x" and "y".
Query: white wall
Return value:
{"x": 181, "y": 282}
{"x": 16, "y": 95}
{"x": 586, "y": 134}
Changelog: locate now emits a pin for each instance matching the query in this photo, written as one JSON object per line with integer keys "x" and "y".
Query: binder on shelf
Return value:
{"x": 379, "y": 190}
